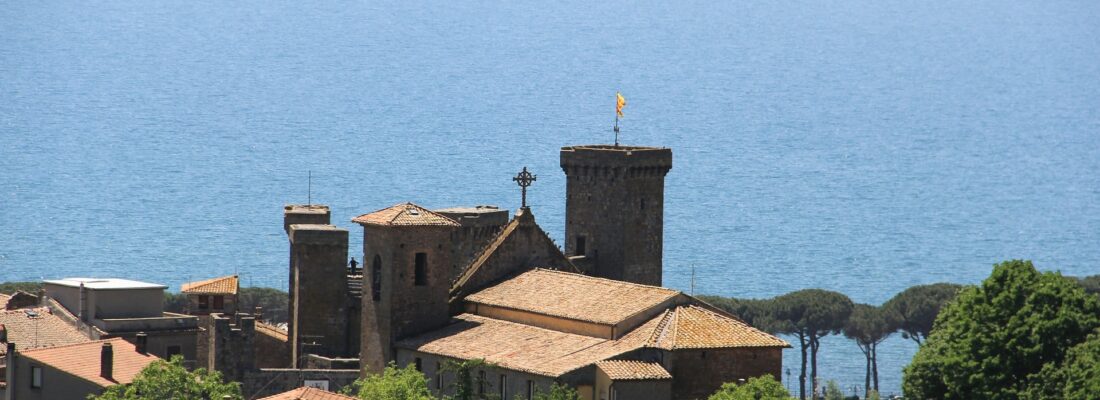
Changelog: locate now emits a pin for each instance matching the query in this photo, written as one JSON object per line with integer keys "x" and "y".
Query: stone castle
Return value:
{"x": 470, "y": 283}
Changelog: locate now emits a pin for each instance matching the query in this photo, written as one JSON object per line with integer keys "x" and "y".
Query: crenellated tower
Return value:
{"x": 614, "y": 223}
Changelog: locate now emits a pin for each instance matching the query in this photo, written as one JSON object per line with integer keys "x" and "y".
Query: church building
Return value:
{"x": 471, "y": 284}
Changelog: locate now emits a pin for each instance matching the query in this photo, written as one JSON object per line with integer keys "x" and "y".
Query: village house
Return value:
{"x": 217, "y": 295}
{"x": 72, "y": 371}
{"x": 109, "y": 307}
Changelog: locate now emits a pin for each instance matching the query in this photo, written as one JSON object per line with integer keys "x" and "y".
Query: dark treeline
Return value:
{"x": 811, "y": 314}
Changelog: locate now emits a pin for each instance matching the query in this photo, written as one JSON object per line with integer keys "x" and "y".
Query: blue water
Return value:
{"x": 858, "y": 146}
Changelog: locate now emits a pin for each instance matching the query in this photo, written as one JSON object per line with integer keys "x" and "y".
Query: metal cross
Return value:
{"x": 524, "y": 179}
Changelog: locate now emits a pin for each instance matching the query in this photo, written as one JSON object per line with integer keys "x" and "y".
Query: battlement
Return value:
{"x": 305, "y": 214}
{"x": 606, "y": 159}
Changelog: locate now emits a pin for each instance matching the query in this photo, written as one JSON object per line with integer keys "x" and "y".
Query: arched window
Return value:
{"x": 376, "y": 278}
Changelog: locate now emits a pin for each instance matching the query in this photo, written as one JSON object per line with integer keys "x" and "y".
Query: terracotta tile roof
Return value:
{"x": 405, "y": 214}
{"x": 627, "y": 370}
{"x": 308, "y": 393}
{"x": 33, "y": 328}
{"x": 518, "y": 347}
{"x": 573, "y": 296}
{"x": 695, "y": 327}
{"x": 223, "y": 285}
{"x": 271, "y": 330}
{"x": 82, "y": 360}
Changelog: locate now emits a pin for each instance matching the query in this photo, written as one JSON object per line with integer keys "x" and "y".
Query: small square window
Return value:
{"x": 219, "y": 302}
{"x": 204, "y": 302}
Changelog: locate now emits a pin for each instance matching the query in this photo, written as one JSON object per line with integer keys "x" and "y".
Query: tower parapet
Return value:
{"x": 614, "y": 225}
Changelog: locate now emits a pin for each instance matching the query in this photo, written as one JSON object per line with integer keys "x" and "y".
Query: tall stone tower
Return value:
{"x": 318, "y": 321}
{"x": 408, "y": 268}
{"x": 614, "y": 205}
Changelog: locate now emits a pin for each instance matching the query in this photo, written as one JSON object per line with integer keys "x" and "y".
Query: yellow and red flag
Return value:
{"x": 620, "y": 102}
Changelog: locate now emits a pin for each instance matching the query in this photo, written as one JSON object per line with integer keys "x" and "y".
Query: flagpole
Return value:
{"x": 616, "y": 129}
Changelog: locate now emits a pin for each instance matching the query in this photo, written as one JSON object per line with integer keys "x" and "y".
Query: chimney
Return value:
{"x": 259, "y": 314}
{"x": 83, "y": 309}
{"x": 106, "y": 361}
{"x": 142, "y": 343}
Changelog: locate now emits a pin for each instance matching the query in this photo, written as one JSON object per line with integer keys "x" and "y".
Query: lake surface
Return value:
{"x": 856, "y": 146}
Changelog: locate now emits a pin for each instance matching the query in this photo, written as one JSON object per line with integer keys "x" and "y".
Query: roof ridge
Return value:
{"x": 485, "y": 253}
{"x": 88, "y": 343}
{"x": 608, "y": 280}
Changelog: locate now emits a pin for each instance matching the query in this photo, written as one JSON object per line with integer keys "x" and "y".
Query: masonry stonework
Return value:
{"x": 700, "y": 372}
{"x": 319, "y": 296}
{"x": 614, "y": 223}
{"x": 405, "y": 304}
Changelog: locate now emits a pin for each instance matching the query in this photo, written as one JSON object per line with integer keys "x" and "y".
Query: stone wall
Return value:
{"x": 615, "y": 202}
{"x": 318, "y": 310}
{"x": 404, "y": 308}
{"x": 699, "y": 373}
{"x": 440, "y": 382}
{"x": 231, "y": 345}
{"x": 272, "y": 347}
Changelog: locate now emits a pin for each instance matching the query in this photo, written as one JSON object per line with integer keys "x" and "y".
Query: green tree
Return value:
{"x": 868, "y": 327}
{"x": 465, "y": 385}
{"x": 832, "y": 391}
{"x": 756, "y": 312}
{"x": 1076, "y": 378}
{"x": 170, "y": 380}
{"x": 914, "y": 309}
{"x": 764, "y": 387}
{"x": 12, "y": 287}
{"x": 557, "y": 392}
{"x": 810, "y": 315}
{"x": 1091, "y": 284}
{"x": 273, "y": 301}
{"x": 393, "y": 384}
{"x": 994, "y": 340}
{"x": 175, "y": 302}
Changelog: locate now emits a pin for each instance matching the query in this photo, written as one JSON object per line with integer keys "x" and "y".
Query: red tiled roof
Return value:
{"x": 695, "y": 327}
{"x": 34, "y": 328}
{"x": 223, "y": 285}
{"x": 405, "y": 214}
{"x": 573, "y": 296}
{"x": 83, "y": 360}
{"x": 308, "y": 393}
{"x": 627, "y": 370}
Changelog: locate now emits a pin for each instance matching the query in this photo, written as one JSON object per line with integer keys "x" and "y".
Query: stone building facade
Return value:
{"x": 468, "y": 283}
{"x": 614, "y": 218}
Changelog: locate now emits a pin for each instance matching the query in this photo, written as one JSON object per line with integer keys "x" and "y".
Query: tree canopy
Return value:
{"x": 764, "y": 387}
{"x": 809, "y": 315}
{"x": 994, "y": 341}
{"x": 557, "y": 392}
{"x": 12, "y": 287}
{"x": 868, "y": 326}
{"x": 170, "y": 380}
{"x": 914, "y": 309}
{"x": 392, "y": 384}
